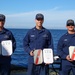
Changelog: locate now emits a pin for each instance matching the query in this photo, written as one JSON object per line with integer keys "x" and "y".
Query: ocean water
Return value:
{"x": 19, "y": 57}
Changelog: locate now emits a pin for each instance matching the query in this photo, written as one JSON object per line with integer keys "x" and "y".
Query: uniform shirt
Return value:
{"x": 63, "y": 45}
{"x": 37, "y": 39}
{"x": 7, "y": 35}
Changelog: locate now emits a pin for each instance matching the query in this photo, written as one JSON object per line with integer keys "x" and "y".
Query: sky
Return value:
{"x": 21, "y": 13}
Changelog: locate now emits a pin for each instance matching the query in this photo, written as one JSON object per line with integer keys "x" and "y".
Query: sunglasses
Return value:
{"x": 39, "y": 19}
{"x": 70, "y": 25}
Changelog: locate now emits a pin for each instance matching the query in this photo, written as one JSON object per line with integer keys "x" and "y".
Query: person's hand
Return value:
{"x": 32, "y": 53}
{"x": 68, "y": 58}
{"x": 47, "y": 63}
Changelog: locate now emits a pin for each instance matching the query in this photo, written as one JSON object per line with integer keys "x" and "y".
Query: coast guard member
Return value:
{"x": 67, "y": 40}
{"x": 37, "y": 38}
{"x": 5, "y": 61}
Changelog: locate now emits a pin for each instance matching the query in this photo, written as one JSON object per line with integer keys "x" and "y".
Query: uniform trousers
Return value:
{"x": 41, "y": 69}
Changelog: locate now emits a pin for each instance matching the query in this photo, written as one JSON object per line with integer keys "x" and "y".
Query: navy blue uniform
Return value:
{"x": 63, "y": 50}
{"x": 37, "y": 39}
{"x": 5, "y": 61}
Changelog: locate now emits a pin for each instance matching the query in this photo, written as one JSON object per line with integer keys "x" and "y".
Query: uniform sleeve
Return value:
{"x": 60, "y": 51}
{"x": 26, "y": 42}
{"x": 13, "y": 42}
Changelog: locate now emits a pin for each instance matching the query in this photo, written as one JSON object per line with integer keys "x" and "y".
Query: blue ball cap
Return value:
{"x": 2, "y": 17}
{"x": 39, "y": 16}
{"x": 70, "y": 21}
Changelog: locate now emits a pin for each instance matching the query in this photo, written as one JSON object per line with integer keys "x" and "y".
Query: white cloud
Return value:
{"x": 53, "y": 19}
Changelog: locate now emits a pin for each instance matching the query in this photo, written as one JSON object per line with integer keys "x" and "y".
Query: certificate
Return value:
{"x": 6, "y": 47}
{"x": 48, "y": 55}
{"x": 45, "y": 55}
{"x": 72, "y": 52}
{"x": 38, "y": 59}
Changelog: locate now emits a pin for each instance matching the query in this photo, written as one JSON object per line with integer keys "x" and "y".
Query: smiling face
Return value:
{"x": 39, "y": 23}
{"x": 70, "y": 27}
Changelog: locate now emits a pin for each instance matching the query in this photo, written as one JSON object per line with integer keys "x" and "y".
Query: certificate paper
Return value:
{"x": 72, "y": 52}
{"x": 48, "y": 55}
{"x": 6, "y": 47}
{"x": 38, "y": 56}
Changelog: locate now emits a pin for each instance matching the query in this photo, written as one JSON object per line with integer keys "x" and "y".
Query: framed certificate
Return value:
{"x": 38, "y": 59}
{"x": 6, "y": 47}
{"x": 48, "y": 55}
